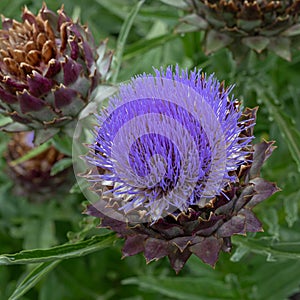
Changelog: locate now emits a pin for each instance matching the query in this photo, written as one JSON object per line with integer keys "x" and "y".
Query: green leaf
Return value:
{"x": 257, "y": 43}
{"x": 41, "y": 136}
{"x": 176, "y": 3}
{"x": 64, "y": 251}
{"x": 61, "y": 165}
{"x": 290, "y": 203}
{"x": 281, "y": 46}
{"x": 191, "y": 23}
{"x": 277, "y": 280}
{"x": 239, "y": 253}
{"x": 142, "y": 46}
{"x": 39, "y": 232}
{"x": 33, "y": 278}
{"x": 270, "y": 217}
{"x": 285, "y": 125}
{"x": 184, "y": 288}
{"x": 13, "y": 127}
{"x": 75, "y": 189}
{"x": 215, "y": 41}
{"x": 292, "y": 31}
{"x": 63, "y": 144}
{"x": 266, "y": 247}
{"x": 113, "y": 8}
{"x": 101, "y": 93}
{"x": 123, "y": 37}
{"x": 4, "y": 120}
{"x": 32, "y": 153}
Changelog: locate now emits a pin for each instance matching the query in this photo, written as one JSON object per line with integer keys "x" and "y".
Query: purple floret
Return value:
{"x": 169, "y": 141}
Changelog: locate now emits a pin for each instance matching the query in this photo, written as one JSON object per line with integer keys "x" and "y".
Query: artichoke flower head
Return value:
{"x": 243, "y": 25}
{"x": 49, "y": 66}
{"x": 174, "y": 168}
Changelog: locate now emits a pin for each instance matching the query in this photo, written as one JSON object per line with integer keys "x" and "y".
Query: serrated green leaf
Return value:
{"x": 285, "y": 125}
{"x": 277, "y": 280}
{"x": 61, "y": 165}
{"x": 266, "y": 247}
{"x": 33, "y": 278}
{"x": 59, "y": 252}
{"x": 184, "y": 288}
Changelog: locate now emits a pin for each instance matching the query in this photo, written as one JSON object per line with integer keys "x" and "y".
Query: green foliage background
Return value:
{"x": 85, "y": 262}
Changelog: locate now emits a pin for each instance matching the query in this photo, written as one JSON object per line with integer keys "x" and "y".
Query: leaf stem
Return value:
{"x": 123, "y": 37}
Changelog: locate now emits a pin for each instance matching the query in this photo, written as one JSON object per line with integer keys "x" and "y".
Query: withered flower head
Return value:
{"x": 49, "y": 66}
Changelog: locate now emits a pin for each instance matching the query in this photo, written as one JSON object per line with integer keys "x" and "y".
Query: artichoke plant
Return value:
{"x": 175, "y": 169}
{"x": 49, "y": 66}
{"x": 33, "y": 177}
{"x": 243, "y": 25}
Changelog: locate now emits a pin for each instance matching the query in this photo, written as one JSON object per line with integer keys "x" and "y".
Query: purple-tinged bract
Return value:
{"x": 172, "y": 162}
{"x": 49, "y": 67}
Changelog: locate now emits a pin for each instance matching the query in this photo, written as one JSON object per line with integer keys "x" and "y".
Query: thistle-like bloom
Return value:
{"x": 49, "y": 67}
{"x": 244, "y": 25}
{"x": 32, "y": 177}
{"x": 174, "y": 167}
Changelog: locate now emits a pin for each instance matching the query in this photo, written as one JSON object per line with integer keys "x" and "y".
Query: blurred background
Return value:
{"x": 255, "y": 269}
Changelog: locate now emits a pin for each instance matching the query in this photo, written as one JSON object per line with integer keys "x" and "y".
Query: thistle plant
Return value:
{"x": 244, "y": 25}
{"x": 49, "y": 67}
{"x": 172, "y": 169}
{"x": 175, "y": 169}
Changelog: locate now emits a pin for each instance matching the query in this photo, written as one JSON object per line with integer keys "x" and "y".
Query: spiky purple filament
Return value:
{"x": 147, "y": 137}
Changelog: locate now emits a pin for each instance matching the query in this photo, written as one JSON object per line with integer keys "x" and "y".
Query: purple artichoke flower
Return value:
{"x": 49, "y": 66}
{"x": 174, "y": 167}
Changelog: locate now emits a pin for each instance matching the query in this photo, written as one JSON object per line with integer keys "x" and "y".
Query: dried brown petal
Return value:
{"x": 48, "y": 51}
{"x": 33, "y": 57}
